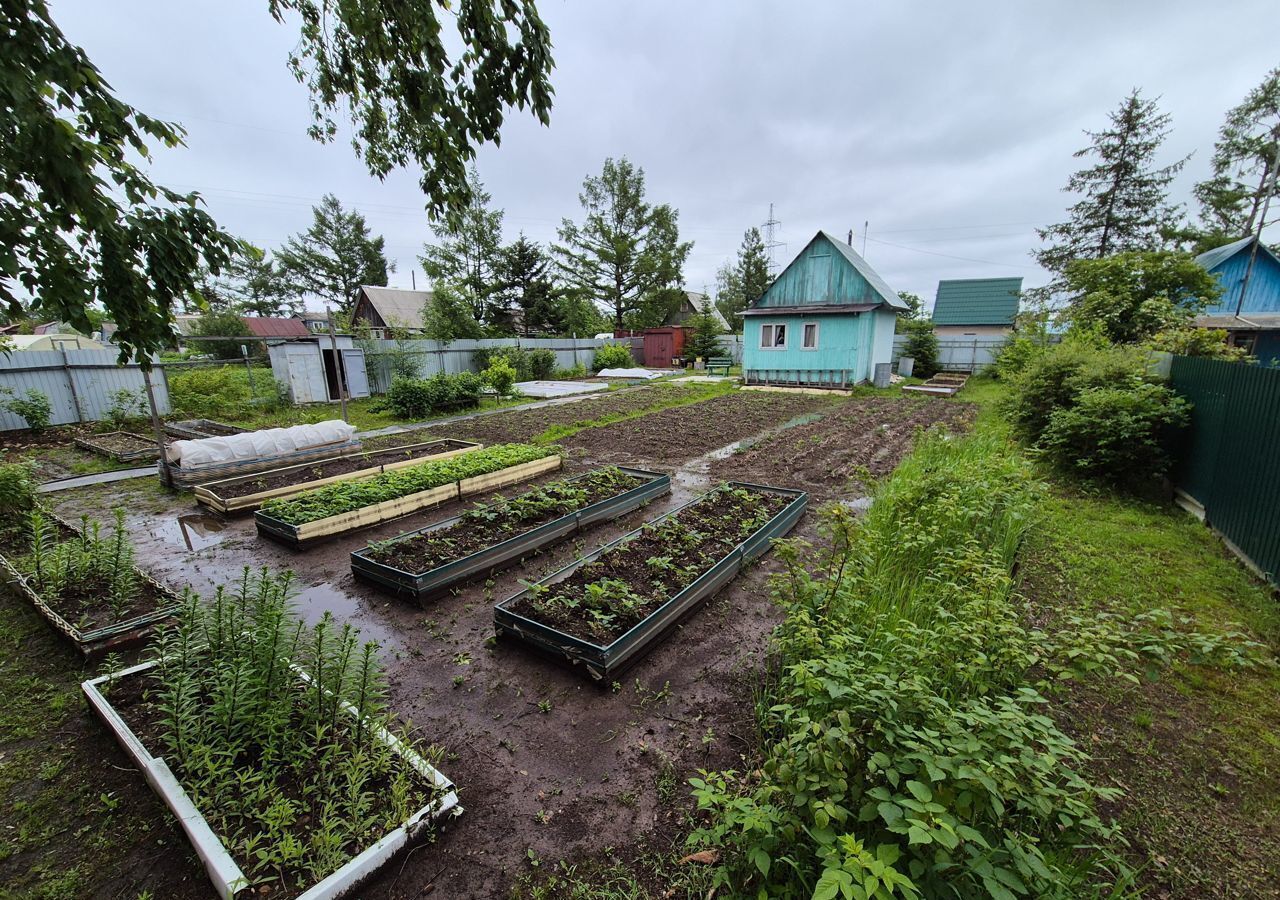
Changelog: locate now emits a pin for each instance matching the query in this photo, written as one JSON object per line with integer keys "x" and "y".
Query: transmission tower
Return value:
{"x": 771, "y": 242}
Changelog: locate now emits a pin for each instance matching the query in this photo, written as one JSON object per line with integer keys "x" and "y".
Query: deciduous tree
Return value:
{"x": 625, "y": 249}
{"x": 448, "y": 316}
{"x": 1125, "y": 195}
{"x": 332, "y": 258}
{"x": 1129, "y": 297}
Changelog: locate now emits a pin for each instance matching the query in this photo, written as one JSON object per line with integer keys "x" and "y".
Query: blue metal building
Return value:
{"x": 1249, "y": 314}
{"x": 824, "y": 322}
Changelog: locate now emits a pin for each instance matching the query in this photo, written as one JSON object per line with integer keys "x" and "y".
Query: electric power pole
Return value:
{"x": 771, "y": 242}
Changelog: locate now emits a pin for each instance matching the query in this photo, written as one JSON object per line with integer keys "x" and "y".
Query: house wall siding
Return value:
{"x": 845, "y": 344}
{"x": 819, "y": 275}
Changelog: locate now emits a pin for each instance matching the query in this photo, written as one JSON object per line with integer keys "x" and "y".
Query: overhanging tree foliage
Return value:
{"x": 1125, "y": 204}
{"x": 80, "y": 221}
{"x": 469, "y": 252}
{"x": 388, "y": 67}
{"x": 625, "y": 249}
{"x": 333, "y": 257}
{"x": 1244, "y": 160}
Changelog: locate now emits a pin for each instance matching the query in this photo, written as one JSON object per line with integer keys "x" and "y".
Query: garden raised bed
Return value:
{"x": 195, "y": 429}
{"x": 298, "y": 536}
{"x": 93, "y": 641}
{"x": 605, "y": 660}
{"x": 239, "y": 494}
{"x": 424, "y": 584}
{"x": 121, "y": 445}
{"x": 228, "y": 879}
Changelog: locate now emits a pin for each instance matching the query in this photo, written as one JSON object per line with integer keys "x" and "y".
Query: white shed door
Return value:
{"x": 357, "y": 377}
{"x": 306, "y": 374}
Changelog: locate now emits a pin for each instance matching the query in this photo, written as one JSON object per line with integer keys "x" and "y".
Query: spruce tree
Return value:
{"x": 524, "y": 281}
{"x": 705, "y": 340}
{"x": 743, "y": 283}
{"x": 1244, "y": 159}
{"x": 1125, "y": 196}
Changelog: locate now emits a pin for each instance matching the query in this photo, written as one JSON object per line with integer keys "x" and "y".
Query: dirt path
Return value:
{"x": 545, "y": 760}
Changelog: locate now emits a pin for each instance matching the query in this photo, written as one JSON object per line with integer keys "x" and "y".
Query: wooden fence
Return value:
{"x": 1229, "y": 461}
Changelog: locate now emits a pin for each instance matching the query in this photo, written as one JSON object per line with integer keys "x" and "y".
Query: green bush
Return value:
{"x": 1016, "y": 355}
{"x": 1116, "y": 434}
{"x": 500, "y": 376}
{"x": 211, "y": 392}
{"x": 1052, "y": 380}
{"x": 612, "y": 356}
{"x": 921, "y": 346}
{"x": 126, "y": 406}
{"x": 542, "y": 364}
{"x": 484, "y": 357}
{"x": 33, "y": 407}
{"x": 577, "y": 371}
{"x": 17, "y": 493}
{"x": 420, "y": 398}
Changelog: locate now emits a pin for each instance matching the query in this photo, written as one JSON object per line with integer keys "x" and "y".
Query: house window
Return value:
{"x": 773, "y": 337}
{"x": 1244, "y": 340}
{"x": 810, "y": 340}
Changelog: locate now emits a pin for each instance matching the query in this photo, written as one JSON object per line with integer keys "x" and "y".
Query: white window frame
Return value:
{"x": 773, "y": 331}
{"x": 804, "y": 329}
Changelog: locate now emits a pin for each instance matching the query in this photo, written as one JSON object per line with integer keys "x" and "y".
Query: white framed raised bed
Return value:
{"x": 299, "y": 536}
{"x": 214, "y": 494}
{"x": 228, "y": 879}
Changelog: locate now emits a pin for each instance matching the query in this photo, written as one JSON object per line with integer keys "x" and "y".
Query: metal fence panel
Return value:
{"x": 78, "y": 383}
{"x": 959, "y": 354}
{"x": 1228, "y": 461}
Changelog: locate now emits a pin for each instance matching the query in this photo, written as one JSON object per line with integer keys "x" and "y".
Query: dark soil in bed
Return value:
{"x": 638, "y": 576}
{"x": 856, "y": 441}
{"x": 326, "y": 469}
{"x": 121, "y": 443}
{"x": 488, "y": 524}
{"x": 684, "y": 431}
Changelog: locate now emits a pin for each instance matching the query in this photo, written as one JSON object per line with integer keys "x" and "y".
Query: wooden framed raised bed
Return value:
{"x": 121, "y": 446}
{"x": 434, "y": 581}
{"x": 604, "y": 661}
{"x": 196, "y": 429}
{"x": 92, "y": 642}
{"x": 228, "y": 879}
{"x": 223, "y": 496}
{"x": 307, "y": 533}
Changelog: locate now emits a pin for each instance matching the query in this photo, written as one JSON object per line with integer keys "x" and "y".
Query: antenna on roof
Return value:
{"x": 866, "y": 226}
{"x": 849, "y": 239}
{"x": 413, "y": 279}
{"x": 770, "y": 240}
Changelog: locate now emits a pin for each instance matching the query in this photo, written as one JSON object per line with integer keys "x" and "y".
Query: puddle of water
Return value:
{"x": 312, "y": 603}
{"x": 858, "y": 504}
{"x": 194, "y": 531}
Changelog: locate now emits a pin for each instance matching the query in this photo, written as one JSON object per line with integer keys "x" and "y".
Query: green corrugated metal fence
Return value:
{"x": 1229, "y": 462}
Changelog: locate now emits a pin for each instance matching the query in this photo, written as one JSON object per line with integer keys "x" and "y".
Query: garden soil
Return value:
{"x": 549, "y": 765}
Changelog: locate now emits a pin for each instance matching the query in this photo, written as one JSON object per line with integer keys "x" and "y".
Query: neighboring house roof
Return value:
{"x": 1232, "y": 263}
{"x": 53, "y": 341}
{"x": 811, "y": 280}
{"x": 268, "y": 327}
{"x": 690, "y": 307}
{"x": 397, "y": 306}
{"x": 311, "y": 315}
{"x": 977, "y": 301}
{"x": 1211, "y": 259}
{"x": 185, "y": 324}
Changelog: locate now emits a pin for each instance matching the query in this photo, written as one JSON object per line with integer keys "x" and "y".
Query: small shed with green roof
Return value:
{"x": 976, "y": 307}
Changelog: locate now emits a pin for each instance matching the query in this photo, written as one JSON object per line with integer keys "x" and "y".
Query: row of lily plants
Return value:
{"x": 80, "y": 577}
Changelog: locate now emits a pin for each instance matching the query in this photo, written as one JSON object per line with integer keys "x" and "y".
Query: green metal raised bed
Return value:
{"x": 604, "y": 663}
{"x": 423, "y": 585}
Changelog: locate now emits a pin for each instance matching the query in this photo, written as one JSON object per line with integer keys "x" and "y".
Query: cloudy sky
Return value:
{"x": 949, "y": 127}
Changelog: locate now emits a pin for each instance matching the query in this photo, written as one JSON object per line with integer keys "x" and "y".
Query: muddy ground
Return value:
{"x": 545, "y": 761}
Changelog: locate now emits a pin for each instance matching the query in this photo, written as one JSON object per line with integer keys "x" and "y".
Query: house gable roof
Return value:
{"x": 820, "y": 277}
{"x": 690, "y": 307}
{"x": 1211, "y": 259}
{"x": 397, "y": 306}
{"x": 977, "y": 301}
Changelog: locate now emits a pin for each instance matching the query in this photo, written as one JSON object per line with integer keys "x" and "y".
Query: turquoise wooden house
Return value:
{"x": 824, "y": 322}
{"x": 1249, "y": 313}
